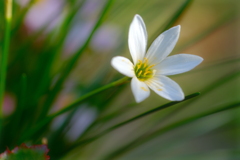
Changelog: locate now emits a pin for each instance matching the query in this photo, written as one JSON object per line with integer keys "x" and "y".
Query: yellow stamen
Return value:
{"x": 146, "y": 72}
{"x": 139, "y": 73}
{"x": 145, "y": 65}
{"x": 147, "y": 68}
{"x": 152, "y": 66}
{"x": 140, "y": 62}
{"x": 143, "y": 71}
{"x": 138, "y": 66}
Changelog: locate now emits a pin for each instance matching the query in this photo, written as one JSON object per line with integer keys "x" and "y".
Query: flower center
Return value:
{"x": 143, "y": 71}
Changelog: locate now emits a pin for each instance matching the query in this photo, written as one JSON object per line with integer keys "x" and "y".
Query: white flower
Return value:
{"x": 149, "y": 69}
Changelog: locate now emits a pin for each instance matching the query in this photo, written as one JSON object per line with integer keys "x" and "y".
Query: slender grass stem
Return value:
{"x": 82, "y": 142}
{"x": 4, "y": 56}
{"x": 72, "y": 62}
{"x": 150, "y": 135}
{"x": 75, "y": 104}
{"x": 146, "y": 137}
{"x": 20, "y": 17}
{"x": 55, "y": 53}
{"x": 176, "y": 16}
{"x": 207, "y": 89}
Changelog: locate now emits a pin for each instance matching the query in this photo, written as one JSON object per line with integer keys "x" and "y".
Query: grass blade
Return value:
{"x": 149, "y": 136}
{"x": 71, "y": 64}
{"x": 4, "y": 57}
{"x": 72, "y": 106}
{"x": 133, "y": 119}
{"x": 146, "y": 137}
{"x": 173, "y": 20}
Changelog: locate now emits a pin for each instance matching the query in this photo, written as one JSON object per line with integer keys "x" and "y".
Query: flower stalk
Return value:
{"x": 4, "y": 56}
{"x": 79, "y": 100}
{"x": 48, "y": 119}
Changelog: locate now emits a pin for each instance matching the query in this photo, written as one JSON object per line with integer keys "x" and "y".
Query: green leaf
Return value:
{"x": 82, "y": 142}
{"x": 4, "y": 55}
{"x": 148, "y": 136}
{"x": 72, "y": 62}
{"x": 176, "y": 16}
{"x": 75, "y": 104}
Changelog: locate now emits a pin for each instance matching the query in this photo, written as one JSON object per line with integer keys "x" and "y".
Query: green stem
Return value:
{"x": 23, "y": 92}
{"x": 147, "y": 137}
{"x": 133, "y": 119}
{"x": 79, "y": 100}
{"x": 73, "y": 61}
{"x": 4, "y": 57}
{"x": 48, "y": 119}
{"x": 176, "y": 16}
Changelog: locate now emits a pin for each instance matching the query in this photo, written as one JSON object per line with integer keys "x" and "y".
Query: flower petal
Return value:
{"x": 123, "y": 65}
{"x": 137, "y": 39}
{"x": 163, "y": 45}
{"x": 166, "y": 88}
{"x": 178, "y": 64}
{"x": 140, "y": 90}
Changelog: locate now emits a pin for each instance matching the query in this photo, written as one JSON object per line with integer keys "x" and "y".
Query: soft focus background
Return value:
{"x": 61, "y": 50}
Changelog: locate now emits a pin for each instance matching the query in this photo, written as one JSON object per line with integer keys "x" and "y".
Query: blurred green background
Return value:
{"x": 61, "y": 49}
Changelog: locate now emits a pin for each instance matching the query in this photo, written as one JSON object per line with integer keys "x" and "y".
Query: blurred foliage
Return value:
{"x": 24, "y": 152}
{"x": 60, "y": 51}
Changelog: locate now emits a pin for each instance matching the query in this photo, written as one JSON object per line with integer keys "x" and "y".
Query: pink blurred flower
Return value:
{"x": 8, "y": 104}
{"x": 44, "y": 12}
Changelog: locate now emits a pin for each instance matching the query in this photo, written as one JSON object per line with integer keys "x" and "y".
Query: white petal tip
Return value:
{"x": 179, "y": 98}
{"x": 200, "y": 59}
{"x": 123, "y": 65}
{"x": 176, "y": 30}
{"x": 139, "y": 100}
{"x": 113, "y": 62}
{"x": 137, "y": 15}
{"x": 178, "y": 27}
